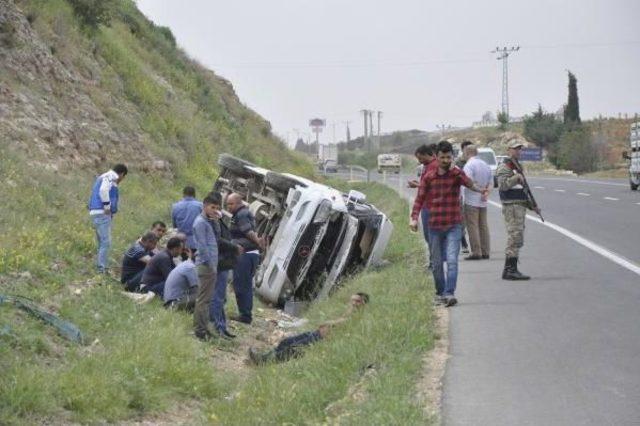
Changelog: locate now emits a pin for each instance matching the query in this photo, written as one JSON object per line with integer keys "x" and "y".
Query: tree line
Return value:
{"x": 569, "y": 144}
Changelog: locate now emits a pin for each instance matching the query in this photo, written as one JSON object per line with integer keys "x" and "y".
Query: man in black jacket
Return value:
{"x": 228, "y": 253}
{"x": 159, "y": 267}
{"x": 243, "y": 232}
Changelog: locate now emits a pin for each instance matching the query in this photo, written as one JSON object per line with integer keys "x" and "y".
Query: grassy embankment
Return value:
{"x": 142, "y": 361}
{"x": 145, "y": 363}
{"x": 366, "y": 372}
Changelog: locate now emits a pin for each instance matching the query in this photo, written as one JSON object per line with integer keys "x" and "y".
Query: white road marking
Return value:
{"x": 584, "y": 194}
{"x": 606, "y": 253}
{"x": 597, "y": 182}
{"x": 539, "y": 187}
{"x": 559, "y": 190}
{"x": 612, "y": 199}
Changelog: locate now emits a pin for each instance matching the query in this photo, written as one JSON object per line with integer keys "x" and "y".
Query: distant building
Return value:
{"x": 494, "y": 123}
{"x": 485, "y": 123}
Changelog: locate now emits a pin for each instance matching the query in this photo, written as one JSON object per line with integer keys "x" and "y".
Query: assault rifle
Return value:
{"x": 527, "y": 189}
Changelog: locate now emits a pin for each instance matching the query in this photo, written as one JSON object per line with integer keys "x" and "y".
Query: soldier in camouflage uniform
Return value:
{"x": 514, "y": 209}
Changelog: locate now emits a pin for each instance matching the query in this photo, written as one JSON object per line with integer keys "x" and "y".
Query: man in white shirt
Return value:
{"x": 475, "y": 205}
{"x": 103, "y": 205}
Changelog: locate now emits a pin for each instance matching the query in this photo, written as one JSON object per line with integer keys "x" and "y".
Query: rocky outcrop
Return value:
{"x": 46, "y": 109}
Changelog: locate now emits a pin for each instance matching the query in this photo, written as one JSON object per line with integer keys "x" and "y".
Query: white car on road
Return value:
{"x": 489, "y": 156}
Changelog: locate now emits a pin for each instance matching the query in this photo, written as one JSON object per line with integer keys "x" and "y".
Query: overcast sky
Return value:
{"x": 421, "y": 62}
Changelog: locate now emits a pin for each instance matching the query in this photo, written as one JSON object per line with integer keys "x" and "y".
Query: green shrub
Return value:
{"x": 166, "y": 33}
{"x": 576, "y": 151}
{"x": 543, "y": 128}
{"x": 93, "y": 13}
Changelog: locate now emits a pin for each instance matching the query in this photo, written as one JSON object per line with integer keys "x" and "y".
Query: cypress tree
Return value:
{"x": 572, "y": 109}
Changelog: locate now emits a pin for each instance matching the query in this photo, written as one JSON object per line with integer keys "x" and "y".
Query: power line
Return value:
{"x": 503, "y": 55}
{"x": 345, "y": 64}
{"x": 372, "y": 64}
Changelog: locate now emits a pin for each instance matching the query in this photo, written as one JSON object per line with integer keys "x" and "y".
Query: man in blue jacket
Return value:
{"x": 103, "y": 204}
{"x": 206, "y": 265}
{"x": 184, "y": 212}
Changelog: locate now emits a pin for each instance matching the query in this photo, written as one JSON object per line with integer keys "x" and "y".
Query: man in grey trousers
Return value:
{"x": 206, "y": 265}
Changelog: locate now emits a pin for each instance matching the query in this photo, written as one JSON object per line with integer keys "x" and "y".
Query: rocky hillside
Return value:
{"x": 74, "y": 95}
{"x": 77, "y": 96}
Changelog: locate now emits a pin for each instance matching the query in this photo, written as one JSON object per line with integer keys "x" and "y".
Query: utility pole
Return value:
{"x": 503, "y": 55}
{"x": 379, "y": 141}
{"x": 371, "y": 134}
{"x": 442, "y": 128}
{"x": 346, "y": 123}
{"x": 365, "y": 114}
{"x": 333, "y": 125}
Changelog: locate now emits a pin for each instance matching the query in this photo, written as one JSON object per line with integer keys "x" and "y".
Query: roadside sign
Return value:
{"x": 531, "y": 154}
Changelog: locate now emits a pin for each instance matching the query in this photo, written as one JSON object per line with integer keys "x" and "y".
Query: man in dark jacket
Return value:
{"x": 135, "y": 259}
{"x": 228, "y": 253}
{"x": 243, "y": 232}
{"x": 159, "y": 267}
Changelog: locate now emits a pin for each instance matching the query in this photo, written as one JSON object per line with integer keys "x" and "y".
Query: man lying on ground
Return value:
{"x": 290, "y": 347}
{"x": 135, "y": 260}
{"x": 159, "y": 267}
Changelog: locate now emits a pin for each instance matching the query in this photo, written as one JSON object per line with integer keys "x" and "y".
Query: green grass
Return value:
{"x": 391, "y": 335}
{"x": 143, "y": 356}
{"x": 141, "y": 360}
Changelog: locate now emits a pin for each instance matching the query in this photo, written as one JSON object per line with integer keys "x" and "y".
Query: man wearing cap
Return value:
{"x": 514, "y": 209}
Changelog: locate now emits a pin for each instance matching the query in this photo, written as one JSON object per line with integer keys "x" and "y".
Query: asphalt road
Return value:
{"x": 563, "y": 348}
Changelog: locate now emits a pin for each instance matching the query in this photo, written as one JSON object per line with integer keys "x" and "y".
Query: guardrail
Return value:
{"x": 399, "y": 178}
{"x": 352, "y": 172}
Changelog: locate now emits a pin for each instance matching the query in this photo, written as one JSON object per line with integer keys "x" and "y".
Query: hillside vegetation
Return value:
{"x": 75, "y": 99}
{"x": 600, "y": 143}
{"x": 77, "y": 96}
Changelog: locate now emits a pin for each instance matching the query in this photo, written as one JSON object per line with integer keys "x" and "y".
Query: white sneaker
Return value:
{"x": 147, "y": 298}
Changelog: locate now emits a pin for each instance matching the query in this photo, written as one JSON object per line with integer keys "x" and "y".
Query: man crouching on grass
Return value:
{"x": 290, "y": 347}
{"x": 441, "y": 188}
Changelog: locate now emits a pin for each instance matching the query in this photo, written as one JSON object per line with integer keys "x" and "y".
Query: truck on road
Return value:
{"x": 389, "y": 163}
{"x": 328, "y": 158}
{"x": 633, "y": 155}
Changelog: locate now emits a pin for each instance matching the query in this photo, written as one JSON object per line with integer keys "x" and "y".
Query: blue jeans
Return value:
{"x": 290, "y": 347}
{"x": 216, "y": 308}
{"x": 243, "y": 283}
{"x": 424, "y": 215}
{"x": 102, "y": 226}
{"x": 446, "y": 246}
{"x": 157, "y": 288}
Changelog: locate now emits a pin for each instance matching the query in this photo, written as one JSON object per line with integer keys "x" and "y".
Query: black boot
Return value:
{"x": 507, "y": 268}
{"x": 511, "y": 270}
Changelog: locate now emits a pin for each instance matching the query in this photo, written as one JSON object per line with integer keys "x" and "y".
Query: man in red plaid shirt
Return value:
{"x": 439, "y": 190}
